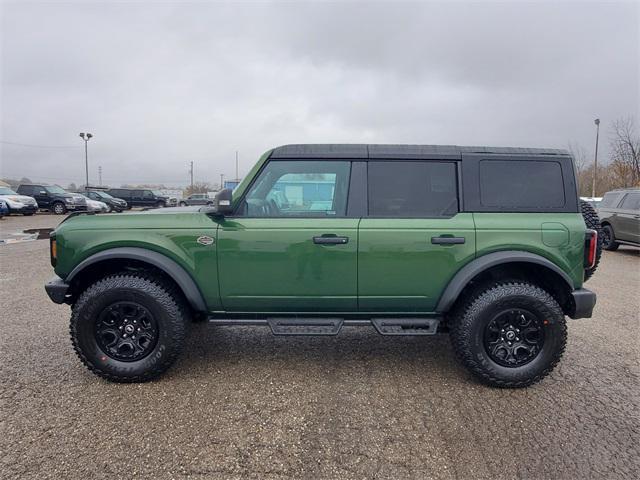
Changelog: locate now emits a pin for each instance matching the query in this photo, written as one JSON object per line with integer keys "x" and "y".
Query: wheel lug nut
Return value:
{"x": 120, "y": 327}
{"x": 135, "y": 321}
{"x": 517, "y": 339}
{"x": 125, "y": 336}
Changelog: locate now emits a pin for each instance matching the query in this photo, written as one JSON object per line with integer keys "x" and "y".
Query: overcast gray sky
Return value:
{"x": 161, "y": 84}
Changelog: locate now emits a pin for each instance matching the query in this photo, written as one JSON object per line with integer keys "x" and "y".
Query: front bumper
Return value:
{"x": 583, "y": 302}
{"x": 23, "y": 208}
{"x": 57, "y": 290}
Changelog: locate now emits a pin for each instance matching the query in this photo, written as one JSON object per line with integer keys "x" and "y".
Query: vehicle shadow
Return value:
{"x": 211, "y": 349}
{"x": 630, "y": 251}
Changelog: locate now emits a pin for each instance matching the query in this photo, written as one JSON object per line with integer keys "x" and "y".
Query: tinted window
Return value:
{"x": 610, "y": 200}
{"x": 631, "y": 202}
{"x": 299, "y": 189}
{"x": 521, "y": 184}
{"x": 148, "y": 194}
{"x": 412, "y": 189}
{"x": 25, "y": 189}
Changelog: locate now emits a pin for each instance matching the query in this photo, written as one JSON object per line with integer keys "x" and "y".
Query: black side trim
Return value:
{"x": 171, "y": 268}
{"x": 583, "y": 300}
{"x": 466, "y": 273}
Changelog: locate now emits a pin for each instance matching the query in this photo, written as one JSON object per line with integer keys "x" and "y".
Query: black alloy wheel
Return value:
{"x": 126, "y": 331}
{"x": 514, "y": 338}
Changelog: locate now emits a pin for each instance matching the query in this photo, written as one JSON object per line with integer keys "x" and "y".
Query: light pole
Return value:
{"x": 221, "y": 181}
{"x": 595, "y": 162}
{"x": 86, "y": 137}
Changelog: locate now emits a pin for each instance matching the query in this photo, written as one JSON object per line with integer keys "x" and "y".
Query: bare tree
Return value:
{"x": 625, "y": 151}
{"x": 198, "y": 187}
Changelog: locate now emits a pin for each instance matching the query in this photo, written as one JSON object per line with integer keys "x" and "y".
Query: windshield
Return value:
{"x": 6, "y": 191}
{"x": 103, "y": 195}
{"x": 54, "y": 189}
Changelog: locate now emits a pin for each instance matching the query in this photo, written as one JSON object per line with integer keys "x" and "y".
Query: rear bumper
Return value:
{"x": 583, "y": 302}
{"x": 57, "y": 290}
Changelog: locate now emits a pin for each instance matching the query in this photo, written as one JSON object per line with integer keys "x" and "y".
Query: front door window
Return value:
{"x": 299, "y": 189}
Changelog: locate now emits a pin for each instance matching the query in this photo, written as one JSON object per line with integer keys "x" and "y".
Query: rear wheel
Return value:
{"x": 609, "y": 239}
{"x": 59, "y": 208}
{"x": 510, "y": 335}
{"x": 128, "y": 327}
{"x": 183, "y": 204}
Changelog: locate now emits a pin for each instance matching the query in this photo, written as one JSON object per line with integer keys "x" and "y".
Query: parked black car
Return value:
{"x": 53, "y": 197}
{"x": 620, "y": 218}
{"x": 196, "y": 199}
{"x": 142, "y": 198}
{"x": 113, "y": 204}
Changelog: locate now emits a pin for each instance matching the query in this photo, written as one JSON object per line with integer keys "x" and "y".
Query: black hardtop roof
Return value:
{"x": 368, "y": 151}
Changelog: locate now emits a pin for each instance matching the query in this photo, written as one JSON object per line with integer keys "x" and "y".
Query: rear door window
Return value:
{"x": 412, "y": 189}
{"x": 631, "y": 202}
{"x": 521, "y": 184}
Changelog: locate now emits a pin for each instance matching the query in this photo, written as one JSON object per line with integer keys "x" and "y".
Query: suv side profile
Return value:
{"x": 486, "y": 244}
{"x": 54, "y": 198}
{"x": 620, "y": 217}
{"x": 196, "y": 199}
{"x": 142, "y": 197}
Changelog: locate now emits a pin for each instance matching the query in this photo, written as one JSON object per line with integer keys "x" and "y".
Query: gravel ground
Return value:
{"x": 241, "y": 403}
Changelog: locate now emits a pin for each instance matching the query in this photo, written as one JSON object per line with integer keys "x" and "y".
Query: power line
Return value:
{"x": 39, "y": 146}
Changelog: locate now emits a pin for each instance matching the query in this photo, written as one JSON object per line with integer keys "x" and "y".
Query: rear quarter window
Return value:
{"x": 521, "y": 184}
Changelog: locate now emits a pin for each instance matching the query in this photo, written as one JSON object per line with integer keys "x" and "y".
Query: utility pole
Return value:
{"x": 595, "y": 162}
{"x": 237, "y": 177}
{"x": 191, "y": 173}
{"x": 221, "y": 181}
{"x": 86, "y": 138}
{"x": 100, "y": 175}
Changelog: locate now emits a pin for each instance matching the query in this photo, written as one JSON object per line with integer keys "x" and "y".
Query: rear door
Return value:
{"x": 291, "y": 247}
{"x": 414, "y": 238}
{"x": 628, "y": 221}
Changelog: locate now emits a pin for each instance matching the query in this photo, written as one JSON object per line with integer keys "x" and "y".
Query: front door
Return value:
{"x": 414, "y": 239}
{"x": 629, "y": 218}
{"x": 290, "y": 247}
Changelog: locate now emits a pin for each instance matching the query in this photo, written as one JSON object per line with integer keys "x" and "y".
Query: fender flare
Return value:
{"x": 158, "y": 260}
{"x": 477, "y": 266}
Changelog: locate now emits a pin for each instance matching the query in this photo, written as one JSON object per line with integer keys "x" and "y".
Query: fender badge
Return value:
{"x": 204, "y": 240}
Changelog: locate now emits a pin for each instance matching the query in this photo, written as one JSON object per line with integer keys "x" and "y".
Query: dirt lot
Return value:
{"x": 241, "y": 403}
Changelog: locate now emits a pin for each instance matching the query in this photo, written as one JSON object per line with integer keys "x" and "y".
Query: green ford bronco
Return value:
{"x": 490, "y": 245}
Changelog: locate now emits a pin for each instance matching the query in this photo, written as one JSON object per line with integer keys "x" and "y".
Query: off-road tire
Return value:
{"x": 59, "y": 208}
{"x": 592, "y": 221}
{"x": 156, "y": 295}
{"x": 610, "y": 243}
{"x": 468, "y": 325}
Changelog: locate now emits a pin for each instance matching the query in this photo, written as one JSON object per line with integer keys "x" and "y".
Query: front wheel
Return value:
{"x": 128, "y": 327}
{"x": 183, "y": 204}
{"x": 109, "y": 208}
{"x": 160, "y": 205}
{"x": 510, "y": 335}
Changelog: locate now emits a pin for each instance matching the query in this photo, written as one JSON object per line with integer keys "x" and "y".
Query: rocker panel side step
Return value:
{"x": 305, "y": 326}
{"x": 406, "y": 326}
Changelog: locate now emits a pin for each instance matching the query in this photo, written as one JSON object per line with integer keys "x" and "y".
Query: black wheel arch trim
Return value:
{"x": 184, "y": 281}
{"x": 477, "y": 266}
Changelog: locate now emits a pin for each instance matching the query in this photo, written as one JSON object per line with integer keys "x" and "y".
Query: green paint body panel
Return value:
{"x": 400, "y": 270}
{"x": 272, "y": 265}
{"x": 171, "y": 234}
{"x": 558, "y": 237}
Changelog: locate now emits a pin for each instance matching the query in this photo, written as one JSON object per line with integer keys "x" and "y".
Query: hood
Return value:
{"x": 19, "y": 198}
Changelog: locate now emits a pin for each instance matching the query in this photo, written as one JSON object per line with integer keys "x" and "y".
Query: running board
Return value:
{"x": 406, "y": 326}
{"x": 332, "y": 326}
{"x": 305, "y": 326}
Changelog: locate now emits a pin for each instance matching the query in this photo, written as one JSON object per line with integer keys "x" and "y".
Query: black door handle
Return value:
{"x": 330, "y": 240}
{"x": 447, "y": 240}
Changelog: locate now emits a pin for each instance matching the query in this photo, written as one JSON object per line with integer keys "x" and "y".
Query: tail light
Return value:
{"x": 53, "y": 249}
{"x": 590, "y": 246}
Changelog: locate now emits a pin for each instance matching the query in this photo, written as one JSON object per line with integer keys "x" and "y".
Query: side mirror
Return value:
{"x": 221, "y": 203}
{"x": 43, "y": 192}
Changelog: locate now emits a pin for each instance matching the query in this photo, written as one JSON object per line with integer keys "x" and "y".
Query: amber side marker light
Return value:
{"x": 53, "y": 250}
